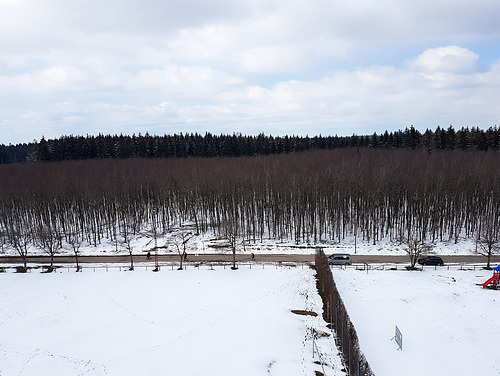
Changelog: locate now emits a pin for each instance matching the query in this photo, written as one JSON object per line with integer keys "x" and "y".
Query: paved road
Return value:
{"x": 239, "y": 258}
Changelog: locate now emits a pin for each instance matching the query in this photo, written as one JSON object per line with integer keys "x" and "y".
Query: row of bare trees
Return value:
{"x": 309, "y": 197}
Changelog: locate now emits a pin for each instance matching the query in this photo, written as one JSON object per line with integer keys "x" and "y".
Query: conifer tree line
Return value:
{"x": 309, "y": 197}
{"x": 237, "y": 145}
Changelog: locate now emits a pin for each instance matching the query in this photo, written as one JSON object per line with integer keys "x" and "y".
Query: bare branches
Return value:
{"x": 310, "y": 197}
{"x": 49, "y": 240}
{"x": 75, "y": 241}
{"x": 415, "y": 249}
{"x": 21, "y": 241}
{"x": 180, "y": 240}
{"x": 488, "y": 237}
{"x": 232, "y": 233}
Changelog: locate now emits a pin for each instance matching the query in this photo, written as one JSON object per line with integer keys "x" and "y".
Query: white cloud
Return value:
{"x": 450, "y": 59}
{"x": 274, "y": 59}
{"x": 247, "y": 65}
{"x": 53, "y": 79}
{"x": 372, "y": 99}
{"x": 182, "y": 80}
{"x": 363, "y": 101}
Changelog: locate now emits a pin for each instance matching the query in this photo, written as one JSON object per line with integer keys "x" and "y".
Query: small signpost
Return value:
{"x": 399, "y": 338}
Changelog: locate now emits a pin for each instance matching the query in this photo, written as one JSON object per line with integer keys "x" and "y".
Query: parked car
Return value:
{"x": 431, "y": 260}
{"x": 340, "y": 259}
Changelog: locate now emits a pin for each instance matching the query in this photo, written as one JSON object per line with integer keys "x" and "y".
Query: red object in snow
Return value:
{"x": 495, "y": 280}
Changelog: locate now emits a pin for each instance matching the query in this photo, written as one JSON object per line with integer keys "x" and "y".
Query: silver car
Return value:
{"x": 339, "y": 259}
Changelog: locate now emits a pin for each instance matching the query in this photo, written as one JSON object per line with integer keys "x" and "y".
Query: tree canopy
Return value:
{"x": 238, "y": 145}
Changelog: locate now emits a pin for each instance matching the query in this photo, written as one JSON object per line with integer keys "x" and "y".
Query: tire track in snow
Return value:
{"x": 220, "y": 318}
{"x": 81, "y": 366}
{"x": 190, "y": 315}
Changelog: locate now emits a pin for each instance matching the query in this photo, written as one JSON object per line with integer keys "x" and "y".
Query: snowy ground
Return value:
{"x": 450, "y": 325}
{"x": 222, "y": 322}
{"x": 209, "y": 243}
{"x": 190, "y": 322}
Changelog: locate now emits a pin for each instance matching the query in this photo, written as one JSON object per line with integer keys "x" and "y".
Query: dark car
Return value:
{"x": 431, "y": 260}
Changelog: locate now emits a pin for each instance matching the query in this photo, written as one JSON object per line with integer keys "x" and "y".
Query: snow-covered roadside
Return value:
{"x": 209, "y": 244}
{"x": 190, "y": 322}
{"x": 450, "y": 325}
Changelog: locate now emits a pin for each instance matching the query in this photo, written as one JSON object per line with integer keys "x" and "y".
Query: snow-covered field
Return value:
{"x": 190, "y": 322}
{"x": 450, "y": 326}
{"x": 224, "y": 322}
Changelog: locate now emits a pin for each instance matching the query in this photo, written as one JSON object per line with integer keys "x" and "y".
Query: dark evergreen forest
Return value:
{"x": 237, "y": 145}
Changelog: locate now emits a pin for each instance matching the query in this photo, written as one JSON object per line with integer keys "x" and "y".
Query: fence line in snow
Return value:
{"x": 403, "y": 266}
{"x": 254, "y": 264}
{"x": 43, "y": 268}
{"x": 335, "y": 313}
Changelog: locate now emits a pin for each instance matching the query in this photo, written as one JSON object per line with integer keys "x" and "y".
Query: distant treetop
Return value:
{"x": 237, "y": 145}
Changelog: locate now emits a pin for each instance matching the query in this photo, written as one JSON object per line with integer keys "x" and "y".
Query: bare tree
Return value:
{"x": 488, "y": 238}
{"x": 50, "y": 241}
{"x": 75, "y": 241}
{"x": 126, "y": 242}
{"x": 233, "y": 236}
{"x": 488, "y": 247}
{"x": 180, "y": 240}
{"x": 21, "y": 241}
{"x": 415, "y": 249}
{"x": 3, "y": 240}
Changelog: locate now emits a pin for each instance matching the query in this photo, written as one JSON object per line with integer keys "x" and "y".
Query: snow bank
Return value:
{"x": 209, "y": 244}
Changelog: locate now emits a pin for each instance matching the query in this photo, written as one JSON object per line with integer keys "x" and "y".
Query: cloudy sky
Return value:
{"x": 250, "y": 66}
